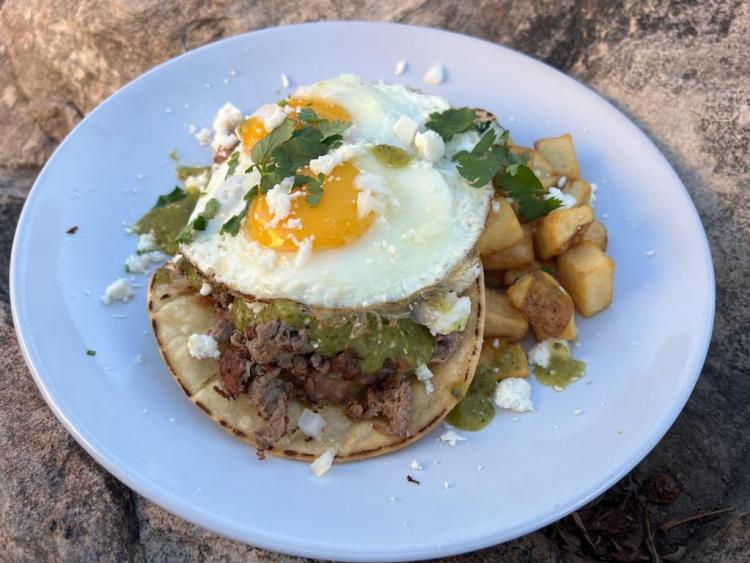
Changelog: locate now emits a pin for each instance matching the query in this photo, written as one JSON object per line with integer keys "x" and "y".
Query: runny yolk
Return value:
{"x": 252, "y": 130}
{"x": 332, "y": 223}
{"x": 322, "y": 108}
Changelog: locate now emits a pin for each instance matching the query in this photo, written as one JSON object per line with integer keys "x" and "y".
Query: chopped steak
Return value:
{"x": 323, "y": 387}
{"x": 392, "y": 399}
{"x": 267, "y": 394}
{"x": 273, "y": 362}
{"x": 223, "y": 326}
{"x": 346, "y": 364}
{"x": 445, "y": 345}
{"x": 276, "y": 342}
{"x": 232, "y": 368}
{"x": 274, "y": 428}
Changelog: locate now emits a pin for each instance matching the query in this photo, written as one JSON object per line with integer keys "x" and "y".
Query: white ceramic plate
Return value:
{"x": 644, "y": 353}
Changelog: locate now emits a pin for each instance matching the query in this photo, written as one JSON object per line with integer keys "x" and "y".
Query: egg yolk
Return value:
{"x": 322, "y": 108}
{"x": 252, "y": 130}
{"x": 332, "y": 223}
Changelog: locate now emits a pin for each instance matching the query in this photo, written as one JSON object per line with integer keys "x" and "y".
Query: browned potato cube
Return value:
{"x": 578, "y": 189}
{"x": 507, "y": 359}
{"x": 596, "y": 233}
{"x": 561, "y": 154}
{"x": 555, "y": 232}
{"x": 588, "y": 275}
{"x": 543, "y": 170}
{"x": 516, "y": 256}
{"x": 539, "y": 165}
{"x": 502, "y": 231}
{"x": 570, "y": 332}
{"x": 543, "y": 302}
{"x": 502, "y": 320}
{"x": 512, "y": 276}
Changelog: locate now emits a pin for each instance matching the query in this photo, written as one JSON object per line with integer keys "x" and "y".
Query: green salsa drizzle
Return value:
{"x": 392, "y": 157}
{"x": 167, "y": 220}
{"x": 373, "y": 338}
{"x": 475, "y": 411}
{"x": 501, "y": 360}
{"x": 162, "y": 276}
{"x": 563, "y": 369}
{"x": 193, "y": 277}
{"x": 184, "y": 172}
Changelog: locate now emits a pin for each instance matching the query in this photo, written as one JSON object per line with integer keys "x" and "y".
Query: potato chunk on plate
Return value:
{"x": 503, "y": 229}
{"x": 555, "y": 232}
{"x": 561, "y": 154}
{"x": 543, "y": 302}
{"x": 580, "y": 190}
{"x": 502, "y": 319}
{"x": 506, "y": 359}
{"x": 596, "y": 233}
{"x": 517, "y": 256}
{"x": 588, "y": 276}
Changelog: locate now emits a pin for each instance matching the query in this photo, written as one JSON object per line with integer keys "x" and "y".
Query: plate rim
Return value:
{"x": 176, "y": 505}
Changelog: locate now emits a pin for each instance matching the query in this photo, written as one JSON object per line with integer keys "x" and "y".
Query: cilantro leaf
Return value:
{"x": 232, "y": 225}
{"x": 481, "y": 164}
{"x": 175, "y": 195}
{"x": 200, "y": 222}
{"x": 234, "y": 160}
{"x": 211, "y": 208}
{"x": 526, "y": 189}
{"x": 328, "y": 127}
{"x": 331, "y": 128}
{"x": 308, "y": 115}
{"x": 451, "y": 122}
{"x": 314, "y": 188}
{"x": 263, "y": 148}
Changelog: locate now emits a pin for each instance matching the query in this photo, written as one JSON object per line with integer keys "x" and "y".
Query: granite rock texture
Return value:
{"x": 678, "y": 68}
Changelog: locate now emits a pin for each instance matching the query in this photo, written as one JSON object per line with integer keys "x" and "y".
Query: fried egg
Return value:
{"x": 380, "y": 232}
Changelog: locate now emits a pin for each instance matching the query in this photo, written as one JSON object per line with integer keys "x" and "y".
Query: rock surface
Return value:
{"x": 678, "y": 68}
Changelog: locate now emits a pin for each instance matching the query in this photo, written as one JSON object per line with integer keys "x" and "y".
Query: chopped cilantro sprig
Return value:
{"x": 491, "y": 160}
{"x": 285, "y": 150}
{"x": 451, "y": 122}
{"x": 175, "y": 195}
{"x": 200, "y": 222}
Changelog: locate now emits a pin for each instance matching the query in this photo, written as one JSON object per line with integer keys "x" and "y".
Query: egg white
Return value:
{"x": 430, "y": 222}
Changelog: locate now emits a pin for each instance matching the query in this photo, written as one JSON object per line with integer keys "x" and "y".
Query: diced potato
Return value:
{"x": 512, "y": 276}
{"x": 517, "y": 256}
{"x": 555, "y": 232}
{"x": 578, "y": 189}
{"x": 494, "y": 278}
{"x": 596, "y": 233}
{"x": 543, "y": 302}
{"x": 561, "y": 154}
{"x": 538, "y": 164}
{"x": 570, "y": 332}
{"x": 542, "y": 167}
{"x": 502, "y": 320}
{"x": 588, "y": 276}
{"x": 507, "y": 358}
{"x": 502, "y": 231}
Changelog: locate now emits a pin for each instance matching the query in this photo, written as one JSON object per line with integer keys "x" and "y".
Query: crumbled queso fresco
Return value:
{"x": 514, "y": 393}
{"x": 203, "y": 346}
{"x": 118, "y": 290}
